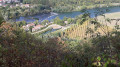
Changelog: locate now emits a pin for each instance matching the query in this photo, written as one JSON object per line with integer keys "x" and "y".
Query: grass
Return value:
{"x": 115, "y": 15}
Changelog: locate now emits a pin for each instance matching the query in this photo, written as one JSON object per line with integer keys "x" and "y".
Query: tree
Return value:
{"x": 45, "y": 22}
{"x": 65, "y": 18}
{"x": 36, "y": 22}
{"x": 58, "y": 21}
{"x": 30, "y": 28}
{"x": 1, "y": 19}
{"x": 69, "y": 20}
{"x": 24, "y": 22}
{"x": 78, "y": 21}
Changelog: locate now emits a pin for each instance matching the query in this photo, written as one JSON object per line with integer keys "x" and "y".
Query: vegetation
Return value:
{"x": 1, "y": 19}
{"x": 74, "y": 5}
{"x": 41, "y": 32}
{"x": 45, "y": 22}
{"x": 46, "y": 6}
{"x": 18, "y": 11}
{"x": 58, "y": 21}
{"x": 19, "y": 48}
{"x": 78, "y": 31}
{"x": 87, "y": 43}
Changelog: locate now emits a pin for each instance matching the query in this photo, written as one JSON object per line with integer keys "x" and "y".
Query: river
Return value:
{"x": 52, "y": 16}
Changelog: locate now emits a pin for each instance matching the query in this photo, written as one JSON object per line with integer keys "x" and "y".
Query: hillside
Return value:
{"x": 86, "y": 30}
{"x": 85, "y": 43}
{"x": 18, "y": 48}
{"x": 72, "y": 5}
{"x": 47, "y": 6}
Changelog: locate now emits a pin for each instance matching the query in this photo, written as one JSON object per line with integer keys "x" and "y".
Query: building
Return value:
{"x": 17, "y": 5}
{"x": 26, "y": 28}
{"x": 16, "y": 1}
{"x": 37, "y": 27}
{"x": 10, "y": 1}
{"x": 1, "y": 2}
{"x": 11, "y": 6}
{"x": 4, "y": 5}
{"x": 7, "y": 1}
{"x": 25, "y": 5}
{"x": 66, "y": 22}
{"x": 31, "y": 24}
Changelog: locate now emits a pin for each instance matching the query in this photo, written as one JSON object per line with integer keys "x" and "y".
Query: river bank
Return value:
{"x": 74, "y": 14}
{"x": 20, "y": 13}
{"x": 12, "y": 11}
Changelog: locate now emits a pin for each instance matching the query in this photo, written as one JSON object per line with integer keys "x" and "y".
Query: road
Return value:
{"x": 54, "y": 26}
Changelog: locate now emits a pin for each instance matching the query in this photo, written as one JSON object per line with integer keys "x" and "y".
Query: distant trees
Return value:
{"x": 23, "y": 11}
{"x": 36, "y": 22}
{"x": 20, "y": 23}
{"x": 70, "y": 20}
{"x": 72, "y": 47}
{"x": 58, "y": 21}
{"x": 75, "y": 5}
{"x": 45, "y": 22}
{"x": 70, "y": 5}
{"x": 46, "y": 6}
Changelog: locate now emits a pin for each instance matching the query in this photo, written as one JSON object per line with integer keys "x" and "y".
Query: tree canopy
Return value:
{"x": 1, "y": 18}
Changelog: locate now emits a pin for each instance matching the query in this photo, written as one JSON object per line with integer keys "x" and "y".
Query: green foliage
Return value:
{"x": 20, "y": 23}
{"x": 46, "y": 6}
{"x": 75, "y": 5}
{"x": 19, "y": 48}
{"x": 1, "y": 18}
{"x": 45, "y": 22}
{"x": 36, "y": 22}
{"x": 15, "y": 12}
{"x": 58, "y": 21}
{"x": 70, "y": 20}
{"x": 30, "y": 28}
{"x": 99, "y": 58}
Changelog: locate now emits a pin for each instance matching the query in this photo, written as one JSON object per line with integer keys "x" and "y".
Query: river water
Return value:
{"x": 52, "y": 16}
